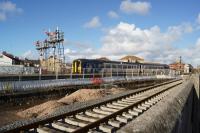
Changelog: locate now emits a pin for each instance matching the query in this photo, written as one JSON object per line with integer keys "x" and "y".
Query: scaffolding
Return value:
{"x": 52, "y": 47}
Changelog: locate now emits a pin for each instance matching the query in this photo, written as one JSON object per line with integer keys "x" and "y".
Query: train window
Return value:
{"x": 99, "y": 66}
{"x": 113, "y": 65}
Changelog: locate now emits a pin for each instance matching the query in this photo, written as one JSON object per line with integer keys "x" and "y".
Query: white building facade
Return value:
{"x": 4, "y": 60}
{"x": 188, "y": 68}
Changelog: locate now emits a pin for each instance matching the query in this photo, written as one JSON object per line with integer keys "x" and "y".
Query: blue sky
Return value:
{"x": 24, "y": 22}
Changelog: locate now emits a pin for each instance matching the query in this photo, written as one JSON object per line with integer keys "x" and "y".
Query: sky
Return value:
{"x": 156, "y": 30}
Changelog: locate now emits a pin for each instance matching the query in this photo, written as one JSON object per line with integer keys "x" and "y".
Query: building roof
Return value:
{"x": 10, "y": 56}
{"x": 176, "y": 63}
{"x": 132, "y": 58}
{"x": 103, "y": 58}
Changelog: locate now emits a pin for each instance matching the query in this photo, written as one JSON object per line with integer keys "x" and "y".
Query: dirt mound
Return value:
{"x": 40, "y": 110}
{"x": 116, "y": 90}
{"x": 83, "y": 95}
{"x": 78, "y": 96}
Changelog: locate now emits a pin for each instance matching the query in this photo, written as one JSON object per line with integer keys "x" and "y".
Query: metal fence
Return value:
{"x": 19, "y": 86}
{"x": 16, "y": 69}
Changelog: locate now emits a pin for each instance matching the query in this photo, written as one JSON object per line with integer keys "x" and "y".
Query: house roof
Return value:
{"x": 10, "y": 56}
{"x": 132, "y": 58}
{"x": 176, "y": 63}
{"x": 103, "y": 58}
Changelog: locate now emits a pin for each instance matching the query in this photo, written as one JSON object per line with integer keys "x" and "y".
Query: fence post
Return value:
{"x": 83, "y": 73}
{"x": 93, "y": 72}
{"x": 111, "y": 70}
{"x": 71, "y": 74}
{"x": 102, "y": 73}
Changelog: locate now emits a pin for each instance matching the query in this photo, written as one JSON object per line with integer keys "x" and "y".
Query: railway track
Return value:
{"x": 108, "y": 116}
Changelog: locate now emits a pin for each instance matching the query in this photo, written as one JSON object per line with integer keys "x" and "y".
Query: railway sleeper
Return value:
{"x": 97, "y": 110}
{"x": 119, "y": 104}
{"x": 108, "y": 109}
{"x": 142, "y": 107}
{"x": 76, "y": 122}
{"x": 138, "y": 110}
{"x": 133, "y": 112}
{"x": 122, "y": 119}
{"x": 94, "y": 114}
{"x": 86, "y": 118}
{"x": 114, "y": 106}
{"x": 129, "y": 101}
{"x": 125, "y": 103}
{"x": 115, "y": 123}
{"x": 107, "y": 128}
{"x": 149, "y": 103}
{"x": 127, "y": 115}
{"x": 47, "y": 129}
{"x": 64, "y": 126}
{"x": 146, "y": 105}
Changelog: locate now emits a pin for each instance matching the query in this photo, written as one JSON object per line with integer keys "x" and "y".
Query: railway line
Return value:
{"x": 106, "y": 116}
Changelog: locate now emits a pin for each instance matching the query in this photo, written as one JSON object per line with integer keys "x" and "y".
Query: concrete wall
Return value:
{"x": 177, "y": 113}
{"x": 196, "y": 107}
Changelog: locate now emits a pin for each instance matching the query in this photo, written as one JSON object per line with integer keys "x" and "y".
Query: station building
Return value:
{"x": 131, "y": 58}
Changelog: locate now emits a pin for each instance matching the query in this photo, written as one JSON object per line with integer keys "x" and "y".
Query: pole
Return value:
{"x": 71, "y": 74}
{"x": 40, "y": 73}
{"x": 102, "y": 73}
{"x": 132, "y": 73}
{"x": 83, "y": 73}
{"x": 56, "y": 72}
{"x": 117, "y": 70}
{"x": 111, "y": 70}
{"x": 93, "y": 72}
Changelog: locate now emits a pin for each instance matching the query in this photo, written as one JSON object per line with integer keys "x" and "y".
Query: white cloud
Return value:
{"x": 88, "y": 53}
{"x": 113, "y": 14}
{"x": 151, "y": 44}
{"x": 175, "y": 32}
{"x": 93, "y": 23}
{"x": 198, "y": 18}
{"x": 138, "y": 7}
{"x": 30, "y": 55}
{"x": 7, "y": 8}
{"x": 77, "y": 44}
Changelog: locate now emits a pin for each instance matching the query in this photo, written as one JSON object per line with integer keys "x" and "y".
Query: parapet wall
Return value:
{"x": 177, "y": 113}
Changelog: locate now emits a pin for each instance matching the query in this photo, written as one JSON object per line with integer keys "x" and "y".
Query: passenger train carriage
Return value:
{"x": 88, "y": 66}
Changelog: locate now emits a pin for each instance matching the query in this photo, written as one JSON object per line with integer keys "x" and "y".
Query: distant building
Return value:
{"x": 51, "y": 65}
{"x": 130, "y": 58}
{"x": 9, "y": 59}
{"x": 181, "y": 68}
{"x": 31, "y": 63}
{"x": 188, "y": 68}
{"x": 10, "y": 64}
{"x": 177, "y": 66}
{"x": 103, "y": 58}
